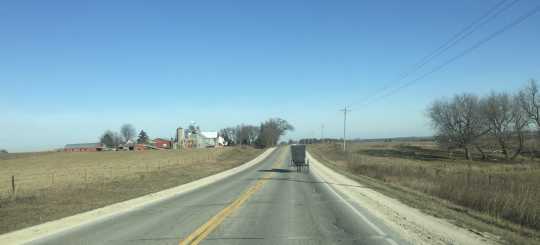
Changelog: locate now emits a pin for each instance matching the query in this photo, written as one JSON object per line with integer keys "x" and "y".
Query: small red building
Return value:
{"x": 162, "y": 143}
{"x": 84, "y": 147}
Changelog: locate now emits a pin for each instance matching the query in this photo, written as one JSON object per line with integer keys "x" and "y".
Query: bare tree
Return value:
{"x": 267, "y": 134}
{"x": 247, "y": 134}
{"x": 530, "y": 101}
{"x": 458, "y": 121}
{"x": 271, "y": 130}
{"x": 252, "y": 133}
{"x": 111, "y": 139}
{"x": 128, "y": 132}
{"x": 239, "y": 135}
{"x": 229, "y": 135}
{"x": 506, "y": 120}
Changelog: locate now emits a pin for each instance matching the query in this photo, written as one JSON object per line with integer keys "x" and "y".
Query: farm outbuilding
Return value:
{"x": 205, "y": 140}
{"x": 162, "y": 143}
{"x": 84, "y": 147}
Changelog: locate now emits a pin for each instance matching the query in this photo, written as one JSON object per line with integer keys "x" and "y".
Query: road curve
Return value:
{"x": 268, "y": 203}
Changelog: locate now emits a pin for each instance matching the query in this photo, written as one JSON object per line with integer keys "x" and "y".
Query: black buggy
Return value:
{"x": 298, "y": 158}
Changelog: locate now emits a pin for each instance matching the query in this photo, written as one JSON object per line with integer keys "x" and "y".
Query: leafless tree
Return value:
{"x": 267, "y": 134}
{"x": 271, "y": 130}
{"x": 229, "y": 135}
{"x": 530, "y": 101}
{"x": 240, "y": 135}
{"x": 507, "y": 121}
{"x": 252, "y": 133}
{"x": 458, "y": 121}
{"x": 247, "y": 134}
{"x": 128, "y": 132}
{"x": 111, "y": 139}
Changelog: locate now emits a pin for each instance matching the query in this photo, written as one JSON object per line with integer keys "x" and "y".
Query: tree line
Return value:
{"x": 499, "y": 120}
{"x": 267, "y": 134}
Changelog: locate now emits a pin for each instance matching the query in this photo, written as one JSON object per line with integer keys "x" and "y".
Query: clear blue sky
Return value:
{"x": 71, "y": 69}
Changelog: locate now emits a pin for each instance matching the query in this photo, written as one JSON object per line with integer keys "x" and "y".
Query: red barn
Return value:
{"x": 162, "y": 143}
{"x": 84, "y": 147}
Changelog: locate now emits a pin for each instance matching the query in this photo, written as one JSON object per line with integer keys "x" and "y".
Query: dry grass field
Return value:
{"x": 49, "y": 186}
{"x": 504, "y": 194}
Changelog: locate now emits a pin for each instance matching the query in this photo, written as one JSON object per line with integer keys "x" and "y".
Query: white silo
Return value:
{"x": 180, "y": 138}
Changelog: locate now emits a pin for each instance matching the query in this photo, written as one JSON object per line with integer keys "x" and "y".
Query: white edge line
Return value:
{"x": 362, "y": 216}
{"x": 41, "y": 231}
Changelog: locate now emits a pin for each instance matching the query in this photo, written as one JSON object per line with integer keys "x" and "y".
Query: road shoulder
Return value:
{"x": 97, "y": 215}
{"x": 411, "y": 224}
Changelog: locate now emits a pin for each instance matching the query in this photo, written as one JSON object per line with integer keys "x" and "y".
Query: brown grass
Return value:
{"x": 53, "y": 185}
{"x": 505, "y": 192}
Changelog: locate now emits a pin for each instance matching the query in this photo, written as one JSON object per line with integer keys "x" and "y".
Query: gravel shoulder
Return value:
{"x": 412, "y": 224}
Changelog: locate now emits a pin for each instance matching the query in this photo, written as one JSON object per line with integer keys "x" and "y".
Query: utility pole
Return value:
{"x": 345, "y": 110}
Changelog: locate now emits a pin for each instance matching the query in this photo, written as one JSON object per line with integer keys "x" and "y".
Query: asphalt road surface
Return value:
{"x": 270, "y": 203}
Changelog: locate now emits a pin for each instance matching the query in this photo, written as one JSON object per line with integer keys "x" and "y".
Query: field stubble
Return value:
{"x": 54, "y": 185}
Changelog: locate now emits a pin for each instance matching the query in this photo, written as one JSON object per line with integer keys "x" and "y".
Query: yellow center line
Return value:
{"x": 204, "y": 230}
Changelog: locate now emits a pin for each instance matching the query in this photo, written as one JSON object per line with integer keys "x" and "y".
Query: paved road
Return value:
{"x": 269, "y": 203}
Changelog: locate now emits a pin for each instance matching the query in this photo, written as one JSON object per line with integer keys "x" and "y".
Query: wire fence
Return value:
{"x": 15, "y": 184}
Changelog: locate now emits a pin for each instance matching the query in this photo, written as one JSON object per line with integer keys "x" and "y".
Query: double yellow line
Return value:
{"x": 203, "y": 231}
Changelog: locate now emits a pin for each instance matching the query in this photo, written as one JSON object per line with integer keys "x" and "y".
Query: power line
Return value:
{"x": 465, "y": 32}
{"x": 500, "y": 31}
{"x": 485, "y": 18}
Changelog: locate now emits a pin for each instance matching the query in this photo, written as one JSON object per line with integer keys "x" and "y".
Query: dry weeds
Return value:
{"x": 506, "y": 191}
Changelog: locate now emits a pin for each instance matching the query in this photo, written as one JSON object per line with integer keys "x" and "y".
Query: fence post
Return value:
{"x": 52, "y": 179}
{"x": 13, "y": 193}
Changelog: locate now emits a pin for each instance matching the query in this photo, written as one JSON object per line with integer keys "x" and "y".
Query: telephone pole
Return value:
{"x": 345, "y": 110}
